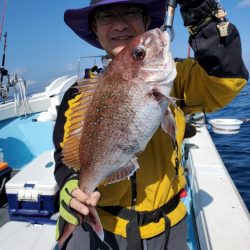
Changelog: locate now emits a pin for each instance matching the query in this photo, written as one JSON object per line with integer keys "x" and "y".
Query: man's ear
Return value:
{"x": 147, "y": 21}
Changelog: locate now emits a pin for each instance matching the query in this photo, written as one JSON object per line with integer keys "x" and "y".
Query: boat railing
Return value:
{"x": 18, "y": 85}
{"x": 85, "y": 61}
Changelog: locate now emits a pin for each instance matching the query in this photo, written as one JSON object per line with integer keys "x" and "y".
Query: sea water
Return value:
{"x": 235, "y": 149}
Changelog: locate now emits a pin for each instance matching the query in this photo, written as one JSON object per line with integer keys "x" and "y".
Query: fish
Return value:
{"x": 114, "y": 116}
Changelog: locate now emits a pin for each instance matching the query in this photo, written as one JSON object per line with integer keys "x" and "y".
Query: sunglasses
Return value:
{"x": 110, "y": 16}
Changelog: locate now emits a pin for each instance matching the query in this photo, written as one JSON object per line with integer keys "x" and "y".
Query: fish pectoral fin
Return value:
{"x": 94, "y": 221}
{"x": 168, "y": 123}
{"x": 123, "y": 173}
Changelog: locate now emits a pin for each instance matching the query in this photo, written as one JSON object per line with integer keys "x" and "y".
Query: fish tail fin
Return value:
{"x": 94, "y": 221}
{"x": 67, "y": 231}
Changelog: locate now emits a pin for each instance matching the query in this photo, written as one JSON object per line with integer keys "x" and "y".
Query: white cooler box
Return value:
{"x": 16, "y": 235}
{"x": 32, "y": 192}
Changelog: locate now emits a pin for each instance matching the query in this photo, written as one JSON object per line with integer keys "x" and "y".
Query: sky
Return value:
{"x": 41, "y": 48}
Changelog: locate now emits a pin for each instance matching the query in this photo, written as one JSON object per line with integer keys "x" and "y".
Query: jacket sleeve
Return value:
{"x": 62, "y": 172}
{"x": 217, "y": 73}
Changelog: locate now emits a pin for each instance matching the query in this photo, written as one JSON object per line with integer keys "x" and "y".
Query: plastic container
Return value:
{"x": 226, "y": 126}
{"x": 32, "y": 192}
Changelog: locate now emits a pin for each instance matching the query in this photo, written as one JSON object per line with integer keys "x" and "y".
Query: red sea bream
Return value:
{"x": 114, "y": 116}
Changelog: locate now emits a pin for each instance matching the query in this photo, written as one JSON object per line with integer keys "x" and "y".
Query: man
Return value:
{"x": 208, "y": 82}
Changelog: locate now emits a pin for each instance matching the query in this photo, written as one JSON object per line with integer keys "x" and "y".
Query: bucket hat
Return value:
{"x": 78, "y": 19}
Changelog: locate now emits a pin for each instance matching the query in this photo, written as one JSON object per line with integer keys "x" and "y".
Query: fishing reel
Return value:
{"x": 13, "y": 83}
{"x": 169, "y": 18}
{"x": 4, "y": 90}
{"x": 4, "y": 93}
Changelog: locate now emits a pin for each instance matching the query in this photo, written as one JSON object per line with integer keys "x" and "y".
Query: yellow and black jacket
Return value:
{"x": 208, "y": 82}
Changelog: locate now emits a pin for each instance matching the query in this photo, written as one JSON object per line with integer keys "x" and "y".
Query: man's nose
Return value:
{"x": 120, "y": 23}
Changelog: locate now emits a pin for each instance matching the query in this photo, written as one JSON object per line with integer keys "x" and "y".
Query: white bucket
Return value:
{"x": 225, "y": 126}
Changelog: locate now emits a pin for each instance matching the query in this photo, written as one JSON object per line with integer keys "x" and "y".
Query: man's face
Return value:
{"x": 116, "y": 25}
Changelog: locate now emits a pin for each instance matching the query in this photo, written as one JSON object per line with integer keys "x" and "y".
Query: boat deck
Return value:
{"x": 22, "y": 139}
{"x": 221, "y": 216}
{"x": 217, "y": 217}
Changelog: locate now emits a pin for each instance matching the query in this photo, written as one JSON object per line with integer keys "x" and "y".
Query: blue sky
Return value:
{"x": 40, "y": 47}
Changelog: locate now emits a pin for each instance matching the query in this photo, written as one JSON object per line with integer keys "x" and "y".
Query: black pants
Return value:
{"x": 84, "y": 238}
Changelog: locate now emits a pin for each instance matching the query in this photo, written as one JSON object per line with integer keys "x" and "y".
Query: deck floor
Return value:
{"x": 4, "y": 216}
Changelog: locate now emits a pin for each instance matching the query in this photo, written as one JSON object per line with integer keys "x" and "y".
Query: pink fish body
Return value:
{"x": 115, "y": 115}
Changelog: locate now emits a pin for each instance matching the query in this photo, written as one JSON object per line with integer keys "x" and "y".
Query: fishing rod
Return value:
{"x": 2, "y": 21}
{"x": 4, "y": 90}
{"x": 3, "y": 71}
{"x": 169, "y": 18}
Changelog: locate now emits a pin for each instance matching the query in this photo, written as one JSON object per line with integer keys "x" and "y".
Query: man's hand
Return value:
{"x": 80, "y": 201}
{"x": 72, "y": 201}
{"x": 195, "y": 12}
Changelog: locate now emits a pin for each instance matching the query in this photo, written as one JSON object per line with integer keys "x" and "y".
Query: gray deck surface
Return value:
{"x": 4, "y": 216}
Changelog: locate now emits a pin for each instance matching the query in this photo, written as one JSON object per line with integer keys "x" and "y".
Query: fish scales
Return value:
{"x": 126, "y": 106}
{"x": 102, "y": 132}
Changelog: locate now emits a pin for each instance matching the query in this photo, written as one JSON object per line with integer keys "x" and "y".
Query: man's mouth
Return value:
{"x": 121, "y": 38}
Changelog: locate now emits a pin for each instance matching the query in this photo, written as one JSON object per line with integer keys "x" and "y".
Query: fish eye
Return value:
{"x": 139, "y": 53}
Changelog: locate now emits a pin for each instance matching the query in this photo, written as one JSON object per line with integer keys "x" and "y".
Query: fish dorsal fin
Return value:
{"x": 75, "y": 118}
{"x": 122, "y": 173}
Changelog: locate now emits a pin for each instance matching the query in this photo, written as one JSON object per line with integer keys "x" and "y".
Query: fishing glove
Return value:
{"x": 67, "y": 214}
{"x": 196, "y": 12}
